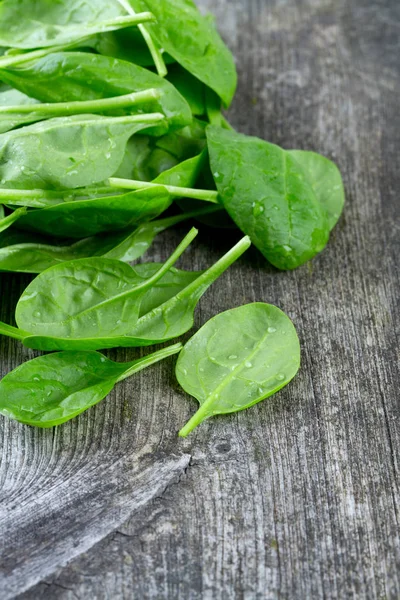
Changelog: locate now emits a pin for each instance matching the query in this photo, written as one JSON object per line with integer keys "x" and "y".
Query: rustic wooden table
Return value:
{"x": 296, "y": 498}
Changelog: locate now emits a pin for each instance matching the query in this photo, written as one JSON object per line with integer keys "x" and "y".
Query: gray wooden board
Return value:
{"x": 297, "y": 497}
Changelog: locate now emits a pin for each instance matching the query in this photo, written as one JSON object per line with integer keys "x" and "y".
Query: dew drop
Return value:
{"x": 184, "y": 371}
{"x": 288, "y": 248}
{"x": 37, "y": 313}
{"x": 232, "y": 357}
{"x": 248, "y": 364}
{"x": 260, "y": 390}
{"x": 271, "y": 329}
{"x": 108, "y": 155}
{"x": 280, "y": 377}
{"x": 201, "y": 369}
{"x": 36, "y": 378}
{"x": 216, "y": 174}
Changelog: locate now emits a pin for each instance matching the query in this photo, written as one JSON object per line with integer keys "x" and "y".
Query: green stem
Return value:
{"x": 153, "y": 49}
{"x": 8, "y": 221}
{"x": 163, "y": 224}
{"x": 8, "y": 61}
{"x": 87, "y": 106}
{"x": 183, "y": 192}
{"x": 187, "y": 240}
{"x": 199, "y": 286}
{"x": 13, "y": 332}
{"x": 198, "y": 417}
{"x": 142, "y": 363}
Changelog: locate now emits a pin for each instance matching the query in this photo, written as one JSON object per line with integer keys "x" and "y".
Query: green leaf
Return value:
{"x": 191, "y": 88}
{"x": 112, "y": 213}
{"x": 268, "y": 195}
{"x": 52, "y": 389}
{"x": 64, "y": 77}
{"x": 192, "y": 40}
{"x": 67, "y": 152}
{"x": 326, "y": 181}
{"x": 32, "y": 24}
{"x": 164, "y": 322}
{"x": 91, "y": 297}
{"x": 237, "y": 359}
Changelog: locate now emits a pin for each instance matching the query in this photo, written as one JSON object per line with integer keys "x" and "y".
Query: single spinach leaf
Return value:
{"x": 191, "y": 88}
{"x": 90, "y": 297}
{"x": 237, "y": 359}
{"x": 326, "y": 181}
{"x": 81, "y": 218}
{"x": 52, "y": 389}
{"x": 193, "y": 41}
{"x": 268, "y": 195}
{"x": 31, "y": 24}
{"x": 82, "y": 76}
{"x": 67, "y": 152}
{"x": 167, "y": 321}
{"x": 32, "y": 253}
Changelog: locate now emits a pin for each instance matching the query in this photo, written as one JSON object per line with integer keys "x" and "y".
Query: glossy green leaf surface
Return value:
{"x": 192, "y": 40}
{"x": 52, "y": 389}
{"x": 37, "y": 24}
{"x": 237, "y": 359}
{"x": 269, "y": 196}
{"x": 67, "y": 152}
{"x": 81, "y": 218}
{"x": 326, "y": 181}
{"x": 64, "y": 77}
{"x": 91, "y": 297}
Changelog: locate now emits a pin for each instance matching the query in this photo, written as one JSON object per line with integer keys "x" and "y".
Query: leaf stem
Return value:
{"x": 142, "y": 363}
{"x": 199, "y": 416}
{"x": 13, "y": 332}
{"x": 153, "y": 49}
{"x": 86, "y": 106}
{"x": 187, "y": 240}
{"x": 8, "y": 221}
{"x": 199, "y": 286}
{"x": 182, "y": 192}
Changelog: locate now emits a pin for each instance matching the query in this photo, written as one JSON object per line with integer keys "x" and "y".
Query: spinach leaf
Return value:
{"x": 237, "y": 359}
{"x": 6, "y": 222}
{"x": 167, "y": 321}
{"x": 90, "y": 297}
{"x": 67, "y": 152}
{"x": 186, "y": 142}
{"x": 52, "y": 389}
{"x": 31, "y": 24}
{"x": 193, "y": 42}
{"x": 81, "y": 218}
{"x": 82, "y": 76}
{"x": 268, "y": 195}
{"x": 326, "y": 181}
{"x": 29, "y": 253}
{"x": 191, "y": 88}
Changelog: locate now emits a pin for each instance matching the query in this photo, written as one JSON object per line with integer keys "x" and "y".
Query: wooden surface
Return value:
{"x": 298, "y": 497}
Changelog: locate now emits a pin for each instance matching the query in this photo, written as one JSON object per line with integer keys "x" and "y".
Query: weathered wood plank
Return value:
{"x": 299, "y": 496}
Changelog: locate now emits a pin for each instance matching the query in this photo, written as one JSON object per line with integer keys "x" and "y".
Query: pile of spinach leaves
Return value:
{"x": 111, "y": 131}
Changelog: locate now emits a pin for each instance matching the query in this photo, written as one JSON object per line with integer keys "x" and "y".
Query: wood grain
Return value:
{"x": 298, "y": 497}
